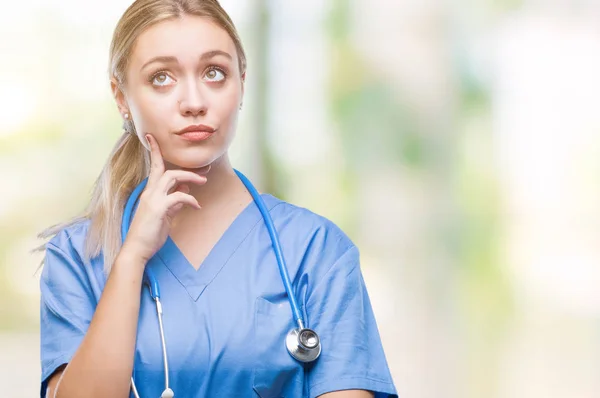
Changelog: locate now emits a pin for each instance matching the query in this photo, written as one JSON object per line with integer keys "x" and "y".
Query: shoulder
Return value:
{"x": 65, "y": 259}
{"x": 71, "y": 239}
{"x": 314, "y": 237}
{"x": 306, "y": 222}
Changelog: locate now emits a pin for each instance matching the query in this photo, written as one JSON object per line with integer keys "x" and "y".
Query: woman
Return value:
{"x": 177, "y": 74}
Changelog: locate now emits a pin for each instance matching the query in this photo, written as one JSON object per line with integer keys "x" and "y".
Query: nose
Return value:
{"x": 193, "y": 101}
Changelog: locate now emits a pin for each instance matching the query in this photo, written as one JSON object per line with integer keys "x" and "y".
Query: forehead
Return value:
{"x": 186, "y": 38}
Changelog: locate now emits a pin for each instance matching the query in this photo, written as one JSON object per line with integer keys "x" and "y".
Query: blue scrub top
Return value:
{"x": 225, "y": 323}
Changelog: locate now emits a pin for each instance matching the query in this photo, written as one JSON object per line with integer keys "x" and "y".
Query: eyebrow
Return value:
{"x": 173, "y": 60}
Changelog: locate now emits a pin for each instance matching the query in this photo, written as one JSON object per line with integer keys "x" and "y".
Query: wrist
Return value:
{"x": 130, "y": 255}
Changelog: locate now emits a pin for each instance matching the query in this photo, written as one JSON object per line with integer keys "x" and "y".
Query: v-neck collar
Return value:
{"x": 196, "y": 280}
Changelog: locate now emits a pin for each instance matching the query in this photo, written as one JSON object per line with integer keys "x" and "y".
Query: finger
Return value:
{"x": 157, "y": 165}
{"x": 175, "y": 208}
{"x": 181, "y": 198}
{"x": 182, "y": 188}
{"x": 172, "y": 178}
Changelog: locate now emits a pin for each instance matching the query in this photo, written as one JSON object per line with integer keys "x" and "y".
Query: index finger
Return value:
{"x": 157, "y": 165}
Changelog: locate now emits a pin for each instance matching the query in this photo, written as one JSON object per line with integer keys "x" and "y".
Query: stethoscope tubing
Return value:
{"x": 304, "y": 354}
{"x": 151, "y": 280}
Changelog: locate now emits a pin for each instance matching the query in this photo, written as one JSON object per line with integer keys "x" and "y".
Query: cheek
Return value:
{"x": 226, "y": 106}
{"x": 151, "y": 112}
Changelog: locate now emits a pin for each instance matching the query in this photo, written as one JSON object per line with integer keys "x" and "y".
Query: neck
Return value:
{"x": 223, "y": 188}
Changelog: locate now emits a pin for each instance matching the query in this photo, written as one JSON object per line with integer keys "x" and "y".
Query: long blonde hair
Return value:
{"x": 128, "y": 163}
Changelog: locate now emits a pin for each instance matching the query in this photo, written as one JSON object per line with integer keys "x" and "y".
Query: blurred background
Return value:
{"x": 456, "y": 142}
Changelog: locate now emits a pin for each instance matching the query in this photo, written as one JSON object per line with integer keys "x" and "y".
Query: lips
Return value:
{"x": 196, "y": 128}
{"x": 196, "y": 132}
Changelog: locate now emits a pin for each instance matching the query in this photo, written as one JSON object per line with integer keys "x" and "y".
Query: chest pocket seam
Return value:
{"x": 272, "y": 322}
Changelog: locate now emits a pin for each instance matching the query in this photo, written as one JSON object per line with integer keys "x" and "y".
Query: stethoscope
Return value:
{"x": 302, "y": 343}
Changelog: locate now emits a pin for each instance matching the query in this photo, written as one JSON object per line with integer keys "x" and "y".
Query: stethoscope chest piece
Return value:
{"x": 303, "y": 344}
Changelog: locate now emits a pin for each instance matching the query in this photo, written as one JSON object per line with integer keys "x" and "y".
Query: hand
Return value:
{"x": 165, "y": 194}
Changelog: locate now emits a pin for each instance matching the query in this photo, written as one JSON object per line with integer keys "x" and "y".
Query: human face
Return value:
{"x": 184, "y": 72}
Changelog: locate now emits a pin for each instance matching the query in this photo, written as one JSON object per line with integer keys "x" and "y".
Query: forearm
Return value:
{"x": 103, "y": 363}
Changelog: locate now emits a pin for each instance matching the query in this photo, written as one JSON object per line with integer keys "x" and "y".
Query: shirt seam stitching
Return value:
{"x": 322, "y": 280}
{"x": 311, "y": 387}
{"x": 239, "y": 245}
{"x": 53, "y": 365}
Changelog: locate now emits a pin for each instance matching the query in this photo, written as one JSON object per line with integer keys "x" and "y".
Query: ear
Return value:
{"x": 119, "y": 96}
{"x": 243, "y": 84}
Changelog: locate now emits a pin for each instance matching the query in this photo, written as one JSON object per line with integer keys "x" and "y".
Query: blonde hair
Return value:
{"x": 129, "y": 163}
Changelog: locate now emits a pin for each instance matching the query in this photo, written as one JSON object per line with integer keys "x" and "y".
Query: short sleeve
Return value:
{"x": 352, "y": 356}
{"x": 66, "y": 307}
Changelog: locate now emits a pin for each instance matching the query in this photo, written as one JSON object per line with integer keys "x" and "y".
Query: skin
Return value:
{"x": 191, "y": 184}
{"x": 198, "y": 87}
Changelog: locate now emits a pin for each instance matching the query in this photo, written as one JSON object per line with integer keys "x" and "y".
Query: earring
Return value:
{"x": 241, "y": 105}
{"x": 127, "y": 124}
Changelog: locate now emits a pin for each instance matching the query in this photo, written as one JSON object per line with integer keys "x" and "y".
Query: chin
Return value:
{"x": 193, "y": 161}
{"x": 190, "y": 164}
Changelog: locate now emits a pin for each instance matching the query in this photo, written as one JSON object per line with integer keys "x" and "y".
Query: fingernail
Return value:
{"x": 147, "y": 139}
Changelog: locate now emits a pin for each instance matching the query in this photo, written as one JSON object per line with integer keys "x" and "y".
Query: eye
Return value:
{"x": 215, "y": 74}
{"x": 160, "y": 79}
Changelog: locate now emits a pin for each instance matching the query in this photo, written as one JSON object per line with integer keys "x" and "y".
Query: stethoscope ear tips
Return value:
{"x": 303, "y": 344}
{"x": 168, "y": 393}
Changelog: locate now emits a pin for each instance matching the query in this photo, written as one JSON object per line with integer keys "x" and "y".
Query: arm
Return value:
{"x": 103, "y": 363}
{"x": 348, "y": 394}
{"x": 353, "y": 362}
{"x": 97, "y": 342}
{"x": 53, "y": 382}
